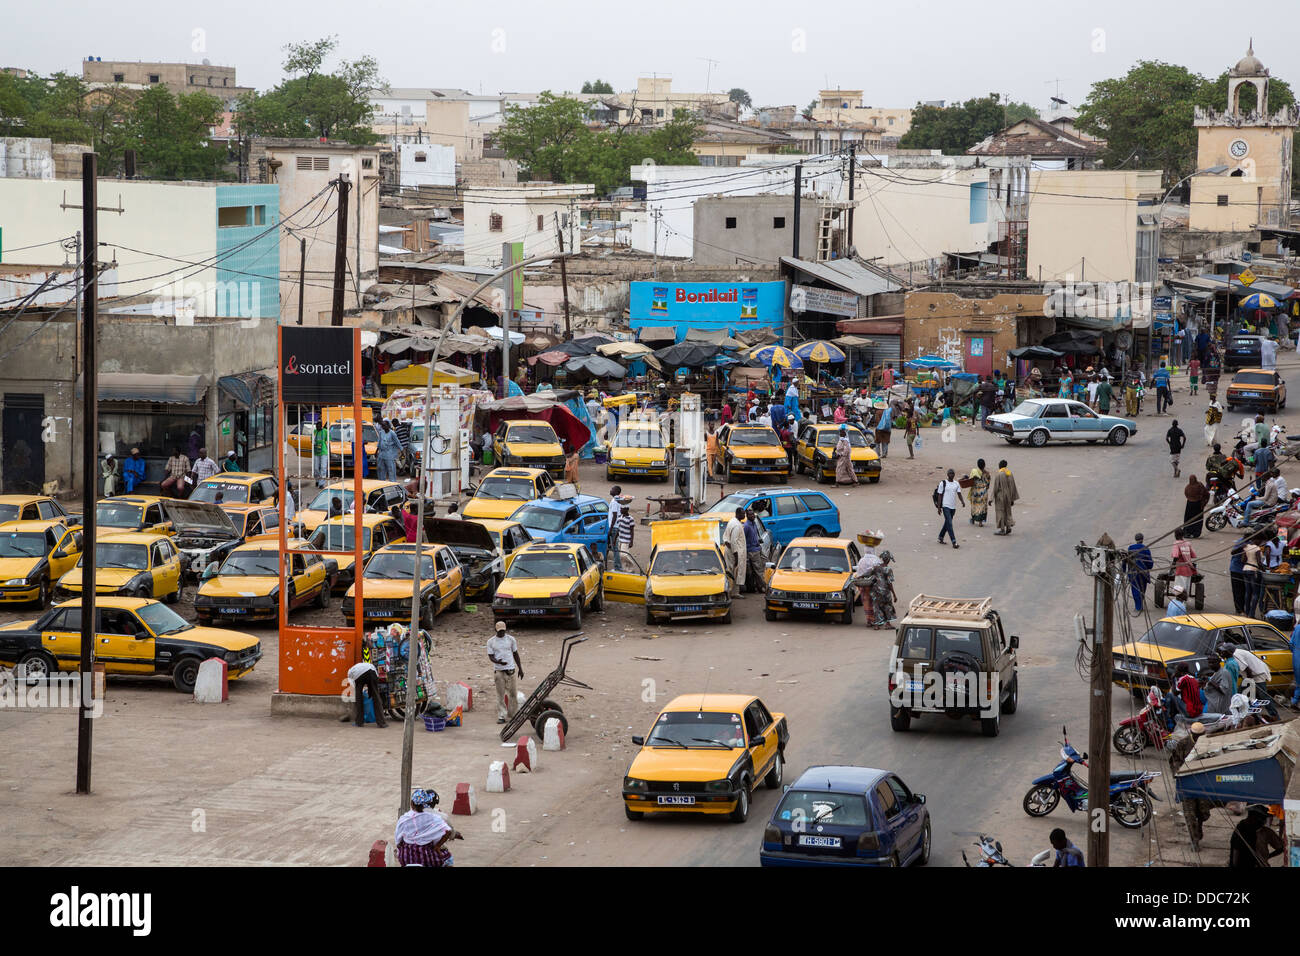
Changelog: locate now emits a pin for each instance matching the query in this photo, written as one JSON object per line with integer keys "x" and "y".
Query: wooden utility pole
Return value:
{"x": 89, "y": 455}
{"x": 1103, "y": 640}
{"x": 798, "y": 189}
{"x": 340, "y": 249}
{"x": 302, "y": 273}
{"x": 853, "y": 176}
{"x": 564, "y": 276}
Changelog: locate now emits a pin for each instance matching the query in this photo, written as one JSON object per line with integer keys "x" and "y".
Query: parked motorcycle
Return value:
{"x": 990, "y": 853}
{"x": 1130, "y": 796}
{"x": 1233, "y": 512}
{"x": 1148, "y": 728}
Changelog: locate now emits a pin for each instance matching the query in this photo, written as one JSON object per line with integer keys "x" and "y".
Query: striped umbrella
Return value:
{"x": 776, "y": 355}
{"x": 820, "y": 351}
{"x": 1259, "y": 300}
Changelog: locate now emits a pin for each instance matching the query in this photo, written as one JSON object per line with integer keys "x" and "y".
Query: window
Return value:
{"x": 788, "y": 505}
{"x": 259, "y": 215}
{"x": 778, "y": 222}
{"x": 659, "y": 113}
{"x": 367, "y": 162}
{"x": 731, "y": 222}
{"x": 900, "y": 791}
{"x": 707, "y": 160}
{"x": 816, "y": 503}
{"x": 1264, "y": 638}
{"x": 1145, "y": 265}
{"x": 231, "y": 217}
{"x": 1223, "y": 199}
{"x": 153, "y": 78}
{"x": 979, "y": 202}
{"x": 119, "y": 77}
{"x": 540, "y": 223}
{"x": 728, "y": 161}
{"x": 891, "y": 121}
{"x": 888, "y": 802}
{"x": 209, "y": 81}
{"x": 1055, "y": 411}
{"x": 494, "y": 222}
{"x": 225, "y": 81}
{"x": 916, "y": 643}
{"x": 421, "y": 157}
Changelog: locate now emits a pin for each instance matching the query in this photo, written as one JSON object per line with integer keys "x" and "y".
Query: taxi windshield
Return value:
{"x": 111, "y": 514}
{"x": 828, "y": 437}
{"x": 532, "y": 433}
{"x": 338, "y": 537}
{"x": 323, "y": 498}
{"x": 162, "y": 619}
{"x": 753, "y": 436}
{"x": 22, "y": 544}
{"x": 812, "y": 558}
{"x": 697, "y": 728}
{"x": 397, "y": 565}
{"x": 114, "y": 554}
{"x": 232, "y": 492}
{"x": 8, "y": 512}
{"x": 686, "y": 562}
{"x": 544, "y": 565}
{"x": 500, "y": 486}
{"x": 640, "y": 438}
{"x": 257, "y": 563}
{"x": 542, "y": 519}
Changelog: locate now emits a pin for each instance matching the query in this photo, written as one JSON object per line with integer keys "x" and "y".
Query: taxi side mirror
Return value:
{"x": 210, "y": 571}
{"x": 757, "y": 740}
{"x": 1015, "y": 641}
{"x": 639, "y": 741}
{"x": 59, "y": 553}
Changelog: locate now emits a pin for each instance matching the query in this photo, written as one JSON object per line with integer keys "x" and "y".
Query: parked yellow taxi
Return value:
{"x": 503, "y": 491}
{"x": 706, "y": 753}
{"x": 548, "y": 581}
{"x": 508, "y": 536}
{"x": 246, "y": 586}
{"x": 134, "y": 636}
{"x": 31, "y": 508}
{"x": 529, "y": 444}
{"x": 1193, "y": 639}
{"x": 33, "y": 556}
{"x": 135, "y": 564}
{"x": 238, "y": 488}
{"x": 336, "y": 499}
{"x": 814, "y": 452}
{"x": 638, "y": 450}
{"x": 131, "y": 513}
{"x": 386, "y": 593}
{"x": 252, "y": 520}
{"x": 687, "y": 577}
{"x": 812, "y": 578}
{"x": 752, "y": 450}
{"x": 338, "y": 536}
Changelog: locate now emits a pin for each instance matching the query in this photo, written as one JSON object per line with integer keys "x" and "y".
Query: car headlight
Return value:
{"x": 718, "y": 786}
{"x": 274, "y": 592}
{"x": 632, "y": 783}
{"x": 777, "y": 595}
{"x": 620, "y": 462}
{"x": 836, "y": 596}
{"x": 16, "y": 582}
{"x": 562, "y": 599}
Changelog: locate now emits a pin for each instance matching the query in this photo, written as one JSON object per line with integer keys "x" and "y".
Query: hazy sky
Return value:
{"x": 783, "y": 53}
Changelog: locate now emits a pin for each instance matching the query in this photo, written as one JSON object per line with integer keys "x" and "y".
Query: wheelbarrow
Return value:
{"x": 538, "y": 707}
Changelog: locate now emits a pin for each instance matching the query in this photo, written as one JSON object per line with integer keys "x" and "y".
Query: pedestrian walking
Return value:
{"x": 883, "y": 595}
{"x": 571, "y": 462}
{"x": 946, "y": 496}
{"x": 979, "y": 493}
{"x": 1140, "y": 564}
{"x": 1253, "y": 574}
{"x": 1105, "y": 393}
{"x": 390, "y": 448}
{"x": 1175, "y": 438}
{"x": 753, "y": 553}
{"x": 1194, "y": 511}
{"x": 1213, "y": 415}
{"x": 1253, "y": 841}
{"x": 1160, "y": 379}
{"x": 503, "y": 652}
{"x": 1237, "y": 574}
{"x": 1196, "y": 810}
{"x": 1005, "y": 494}
{"x": 624, "y": 531}
{"x": 911, "y": 429}
{"x": 1182, "y": 557}
{"x": 320, "y": 454}
{"x": 843, "y": 456}
{"x": 735, "y": 546}
{"x": 883, "y": 429}
{"x": 711, "y": 449}
{"x": 1193, "y": 375}
{"x": 862, "y": 578}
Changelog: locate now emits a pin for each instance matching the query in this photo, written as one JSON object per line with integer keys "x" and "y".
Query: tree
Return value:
{"x": 740, "y": 97}
{"x": 955, "y": 129}
{"x": 540, "y": 136}
{"x": 597, "y": 86}
{"x": 807, "y": 111}
{"x": 171, "y": 134}
{"x": 1213, "y": 95}
{"x": 312, "y": 102}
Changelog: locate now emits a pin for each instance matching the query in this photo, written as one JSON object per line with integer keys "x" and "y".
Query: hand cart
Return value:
{"x": 538, "y": 708}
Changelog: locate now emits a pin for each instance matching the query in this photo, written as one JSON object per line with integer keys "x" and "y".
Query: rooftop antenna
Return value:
{"x": 708, "y": 78}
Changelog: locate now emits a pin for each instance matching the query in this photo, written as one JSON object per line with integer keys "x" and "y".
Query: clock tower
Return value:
{"x": 1254, "y": 144}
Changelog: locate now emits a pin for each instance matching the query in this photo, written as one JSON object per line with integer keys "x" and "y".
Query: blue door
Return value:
{"x": 913, "y": 818}
{"x": 1057, "y": 419}
{"x": 591, "y": 530}
{"x": 1084, "y": 419}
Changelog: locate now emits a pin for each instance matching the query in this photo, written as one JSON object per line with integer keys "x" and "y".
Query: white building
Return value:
{"x": 426, "y": 164}
{"x": 532, "y": 213}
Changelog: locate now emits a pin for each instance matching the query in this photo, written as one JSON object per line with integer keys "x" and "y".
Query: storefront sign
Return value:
{"x": 805, "y": 298}
{"x": 316, "y": 364}
{"x": 707, "y": 305}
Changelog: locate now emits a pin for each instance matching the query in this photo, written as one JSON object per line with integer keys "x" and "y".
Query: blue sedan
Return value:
{"x": 847, "y": 816}
{"x": 1040, "y": 420}
{"x": 788, "y": 513}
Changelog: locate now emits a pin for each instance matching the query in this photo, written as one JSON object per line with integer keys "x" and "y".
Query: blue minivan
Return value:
{"x": 581, "y": 519}
{"x": 788, "y": 513}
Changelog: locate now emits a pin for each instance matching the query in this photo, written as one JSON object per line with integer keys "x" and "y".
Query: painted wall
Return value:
{"x": 754, "y": 238}
{"x": 919, "y": 215}
{"x": 1260, "y": 194}
{"x": 248, "y": 273}
{"x": 519, "y": 208}
{"x": 426, "y": 164}
{"x": 707, "y": 305}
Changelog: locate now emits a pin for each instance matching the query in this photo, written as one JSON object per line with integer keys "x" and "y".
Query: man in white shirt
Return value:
{"x": 736, "y": 549}
{"x": 204, "y": 467}
{"x": 948, "y": 494}
{"x": 503, "y": 652}
{"x": 1283, "y": 492}
{"x": 290, "y": 509}
{"x": 365, "y": 678}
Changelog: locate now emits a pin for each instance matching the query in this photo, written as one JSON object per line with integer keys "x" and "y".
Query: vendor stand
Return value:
{"x": 388, "y": 648}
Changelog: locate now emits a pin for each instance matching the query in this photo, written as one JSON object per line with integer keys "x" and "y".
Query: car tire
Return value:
{"x": 847, "y": 616}
{"x": 798, "y": 466}
{"x": 726, "y": 618}
{"x": 1118, "y": 436}
{"x": 43, "y": 595}
{"x": 1038, "y": 437}
{"x": 1231, "y": 408}
{"x": 1012, "y": 702}
{"x": 184, "y": 673}
{"x": 427, "y": 614}
{"x": 776, "y": 775}
{"x": 874, "y": 479}
{"x": 649, "y": 618}
{"x": 577, "y": 613}
{"x": 46, "y": 666}
{"x": 1013, "y": 441}
{"x": 726, "y": 472}
{"x": 609, "y": 475}
{"x": 769, "y": 614}
{"x": 815, "y": 531}
{"x": 633, "y": 815}
{"x": 323, "y": 597}
{"x": 741, "y": 813}
{"x": 924, "y": 856}
{"x": 900, "y": 719}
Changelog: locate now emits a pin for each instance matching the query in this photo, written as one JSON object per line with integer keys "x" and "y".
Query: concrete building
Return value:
{"x": 751, "y": 230}
{"x": 219, "y": 81}
{"x": 527, "y": 213}
{"x": 1257, "y": 148}
{"x": 975, "y": 324}
{"x": 721, "y": 142}
{"x": 655, "y": 101}
{"x": 1047, "y": 145}
{"x": 303, "y": 170}
{"x": 845, "y": 106}
{"x": 227, "y": 232}
{"x": 35, "y": 158}
{"x": 419, "y": 164}
{"x": 443, "y": 116}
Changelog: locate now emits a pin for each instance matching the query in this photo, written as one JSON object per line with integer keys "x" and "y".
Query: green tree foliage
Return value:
{"x": 1214, "y": 95}
{"x": 311, "y": 102}
{"x": 60, "y": 107}
{"x": 807, "y": 111}
{"x": 955, "y": 129}
{"x": 596, "y": 86}
{"x": 553, "y": 142}
{"x": 171, "y": 134}
{"x": 737, "y": 95}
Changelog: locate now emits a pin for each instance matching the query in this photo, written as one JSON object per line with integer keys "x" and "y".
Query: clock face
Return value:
{"x": 1238, "y": 148}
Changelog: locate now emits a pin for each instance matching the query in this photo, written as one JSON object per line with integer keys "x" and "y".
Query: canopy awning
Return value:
{"x": 249, "y": 389}
{"x": 885, "y": 325}
{"x": 657, "y": 333}
{"x": 137, "y": 387}
{"x": 418, "y": 375}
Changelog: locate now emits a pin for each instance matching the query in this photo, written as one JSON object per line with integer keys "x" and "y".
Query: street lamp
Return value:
{"x": 1207, "y": 171}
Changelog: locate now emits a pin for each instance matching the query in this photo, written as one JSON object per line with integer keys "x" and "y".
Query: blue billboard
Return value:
{"x": 707, "y": 305}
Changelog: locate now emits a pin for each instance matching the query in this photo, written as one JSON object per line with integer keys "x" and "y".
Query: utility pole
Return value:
{"x": 356, "y": 277}
{"x": 508, "y": 313}
{"x": 853, "y": 177}
{"x": 89, "y": 455}
{"x": 340, "y": 249}
{"x": 655, "y": 215}
{"x": 302, "y": 272}
{"x": 564, "y": 276}
{"x": 1101, "y": 561}
{"x": 798, "y": 189}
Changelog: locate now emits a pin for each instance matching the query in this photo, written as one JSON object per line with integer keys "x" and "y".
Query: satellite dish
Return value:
{"x": 1124, "y": 339}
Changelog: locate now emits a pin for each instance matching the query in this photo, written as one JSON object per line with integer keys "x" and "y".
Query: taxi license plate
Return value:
{"x": 806, "y": 840}
{"x": 532, "y": 610}
{"x": 805, "y": 605}
{"x": 373, "y": 612}
{"x": 232, "y": 610}
{"x": 760, "y": 467}
{"x": 689, "y": 607}
{"x": 637, "y": 471}
{"x": 676, "y": 801}
{"x": 1250, "y": 394}
{"x": 1131, "y": 668}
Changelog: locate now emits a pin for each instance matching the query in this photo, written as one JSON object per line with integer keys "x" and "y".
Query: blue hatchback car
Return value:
{"x": 581, "y": 519}
{"x": 788, "y": 513}
{"x": 847, "y": 816}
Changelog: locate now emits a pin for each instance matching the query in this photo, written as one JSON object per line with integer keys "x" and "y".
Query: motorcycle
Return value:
{"x": 991, "y": 854}
{"x": 1130, "y": 798}
{"x": 1148, "y": 728}
{"x": 1220, "y": 488}
{"x": 1233, "y": 512}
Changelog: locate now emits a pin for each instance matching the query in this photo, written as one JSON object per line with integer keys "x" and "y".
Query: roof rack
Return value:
{"x": 926, "y": 605}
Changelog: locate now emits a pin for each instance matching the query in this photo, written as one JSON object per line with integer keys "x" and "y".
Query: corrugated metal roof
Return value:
{"x": 846, "y": 274}
{"x": 1275, "y": 289}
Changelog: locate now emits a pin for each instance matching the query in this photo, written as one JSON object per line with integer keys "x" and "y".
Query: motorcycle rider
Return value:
{"x": 1218, "y": 473}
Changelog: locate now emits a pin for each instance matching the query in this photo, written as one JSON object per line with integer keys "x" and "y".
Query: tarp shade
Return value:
{"x": 1034, "y": 352}
{"x": 656, "y": 333}
{"x": 523, "y": 407}
{"x": 249, "y": 389}
{"x": 133, "y": 387}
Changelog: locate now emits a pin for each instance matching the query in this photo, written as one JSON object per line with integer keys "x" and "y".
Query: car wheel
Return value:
{"x": 815, "y": 531}
{"x": 726, "y": 472}
{"x": 777, "y": 774}
{"x": 798, "y": 466}
{"x": 741, "y": 813}
{"x": 847, "y": 616}
{"x": 1231, "y": 408}
{"x": 991, "y": 726}
{"x": 323, "y": 597}
{"x": 633, "y": 815}
{"x": 900, "y": 719}
{"x": 726, "y": 618}
{"x": 1118, "y": 435}
{"x": 185, "y": 673}
{"x": 37, "y": 666}
{"x": 609, "y": 475}
{"x": 769, "y": 614}
{"x": 577, "y": 613}
{"x": 1038, "y": 437}
{"x": 1013, "y": 441}
{"x": 1013, "y": 696}
{"x": 649, "y": 618}
{"x": 427, "y": 613}
{"x": 924, "y": 856}
{"x": 1041, "y": 800}
{"x": 874, "y": 479}
{"x": 43, "y": 595}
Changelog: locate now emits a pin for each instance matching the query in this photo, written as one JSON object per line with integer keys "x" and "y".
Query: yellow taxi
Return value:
{"x": 135, "y": 636}
{"x": 238, "y": 488}
{"x": 706, "y": 753}
{"x": 812, "y": 578}
{"x": 752, "y": 450}
{"x": 548, "y": 581}
{"x": 638, "y": 450}
{"x": 338, "y": 536}
{"x": 529, "y": 444}
{"x": 1260, "y": 388}
{"x": 508, "y": 536}
{"x": 336, "y": 499}
{"x": 246, "y": 585}
{"x": 503, "y": 491}
{"x": 386, "y": 594}
{"x": 814, "y": 452}
{"x": 33, "y": 556}
{"x": 687, "y": 577}
{"x": 123, "y": 513}
{"x": 252, "y": 520}
{"x": 135, "y": 564}
{"x": 1193, "y": 639}
{"x": 31, "y": 508}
